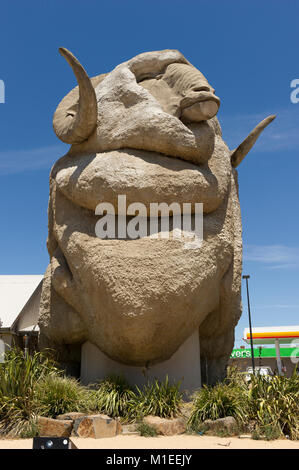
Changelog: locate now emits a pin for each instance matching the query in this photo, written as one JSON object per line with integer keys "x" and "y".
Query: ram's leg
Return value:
{"x": 214, "y": 353}
{"x": 217, "y": 332}
{"x": 61, "y": 328}
{"x": 68, "y": 356}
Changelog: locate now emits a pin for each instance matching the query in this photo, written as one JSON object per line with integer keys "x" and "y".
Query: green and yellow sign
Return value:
{"x": 264, "y": 352}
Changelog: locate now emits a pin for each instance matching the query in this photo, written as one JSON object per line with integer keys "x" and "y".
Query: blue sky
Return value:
{"x": 246, "y": 49}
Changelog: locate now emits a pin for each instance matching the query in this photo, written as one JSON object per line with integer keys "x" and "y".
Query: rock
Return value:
{"x": 228, "y": 424}
{"x": 166, "y": 427}
{"x": 118, "y": 426}
{"x": 48, "y": 427}
{"x": 129, "y": 429}
{"x": 70, "y": 416}
{"x": 96, "y": 426}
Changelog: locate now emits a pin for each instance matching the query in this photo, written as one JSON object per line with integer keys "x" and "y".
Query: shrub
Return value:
{"x": 32, "y": 385}
{"x": 158, "y": 398}
{"x": 235, "y": 378}
{"x": 112, "y": 395}
{"x": 145, "y": 430}
{"x": 271, "y": 406}
{"x": 57, "y": 395}
{"x": 19, "y": 375}
{"x": 268, "y": 432}
{"x": 215, "y": 402}
{"x": 274, "y": 403}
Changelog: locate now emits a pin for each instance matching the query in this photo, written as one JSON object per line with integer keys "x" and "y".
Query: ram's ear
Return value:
{"x": 240, "y": 152}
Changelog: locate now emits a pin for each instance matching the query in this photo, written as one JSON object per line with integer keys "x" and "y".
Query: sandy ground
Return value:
{"x": 171, "y": 442}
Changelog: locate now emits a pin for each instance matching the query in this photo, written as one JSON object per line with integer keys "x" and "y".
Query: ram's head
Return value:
{"x": 168, "y": 103}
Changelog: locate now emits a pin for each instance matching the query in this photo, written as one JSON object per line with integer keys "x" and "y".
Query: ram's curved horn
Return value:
{"x": 73, "y": 122}
{"x": 240, "y": 152}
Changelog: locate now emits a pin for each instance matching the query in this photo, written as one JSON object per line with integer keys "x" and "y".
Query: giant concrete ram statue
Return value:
{"x": 147, "y": 130}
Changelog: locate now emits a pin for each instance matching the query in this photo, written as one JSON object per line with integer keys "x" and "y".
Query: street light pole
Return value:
{"x": 246, "y": 277}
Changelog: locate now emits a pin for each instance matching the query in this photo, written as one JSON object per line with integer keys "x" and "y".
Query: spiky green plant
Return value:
{"x": 235, "y": 378}
{"x": 57, "y": 395}
{"x": 161, "y": 399}
{"x": 112, "y": 396}
{"x": 270, "y": 406}
{"x": 274, "y": 403}
{"x": 216, "y": 402}
{"x": 19, "y": 375}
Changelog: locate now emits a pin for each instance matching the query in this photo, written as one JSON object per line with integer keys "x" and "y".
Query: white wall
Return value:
{"x": 6, "y": 341}
{"x": 184, "y": 365}
{"x": 30, "y": 312}
{"x": 15, "y": 291}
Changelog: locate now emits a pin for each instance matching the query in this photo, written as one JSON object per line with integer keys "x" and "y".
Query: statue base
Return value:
{"x": 183, "y": 366}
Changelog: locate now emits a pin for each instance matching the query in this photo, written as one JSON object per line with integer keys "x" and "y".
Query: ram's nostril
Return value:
{"x": 201, "y": 88}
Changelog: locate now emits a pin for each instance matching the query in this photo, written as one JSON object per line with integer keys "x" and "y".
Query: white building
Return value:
{"x": 19, "y": 307}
